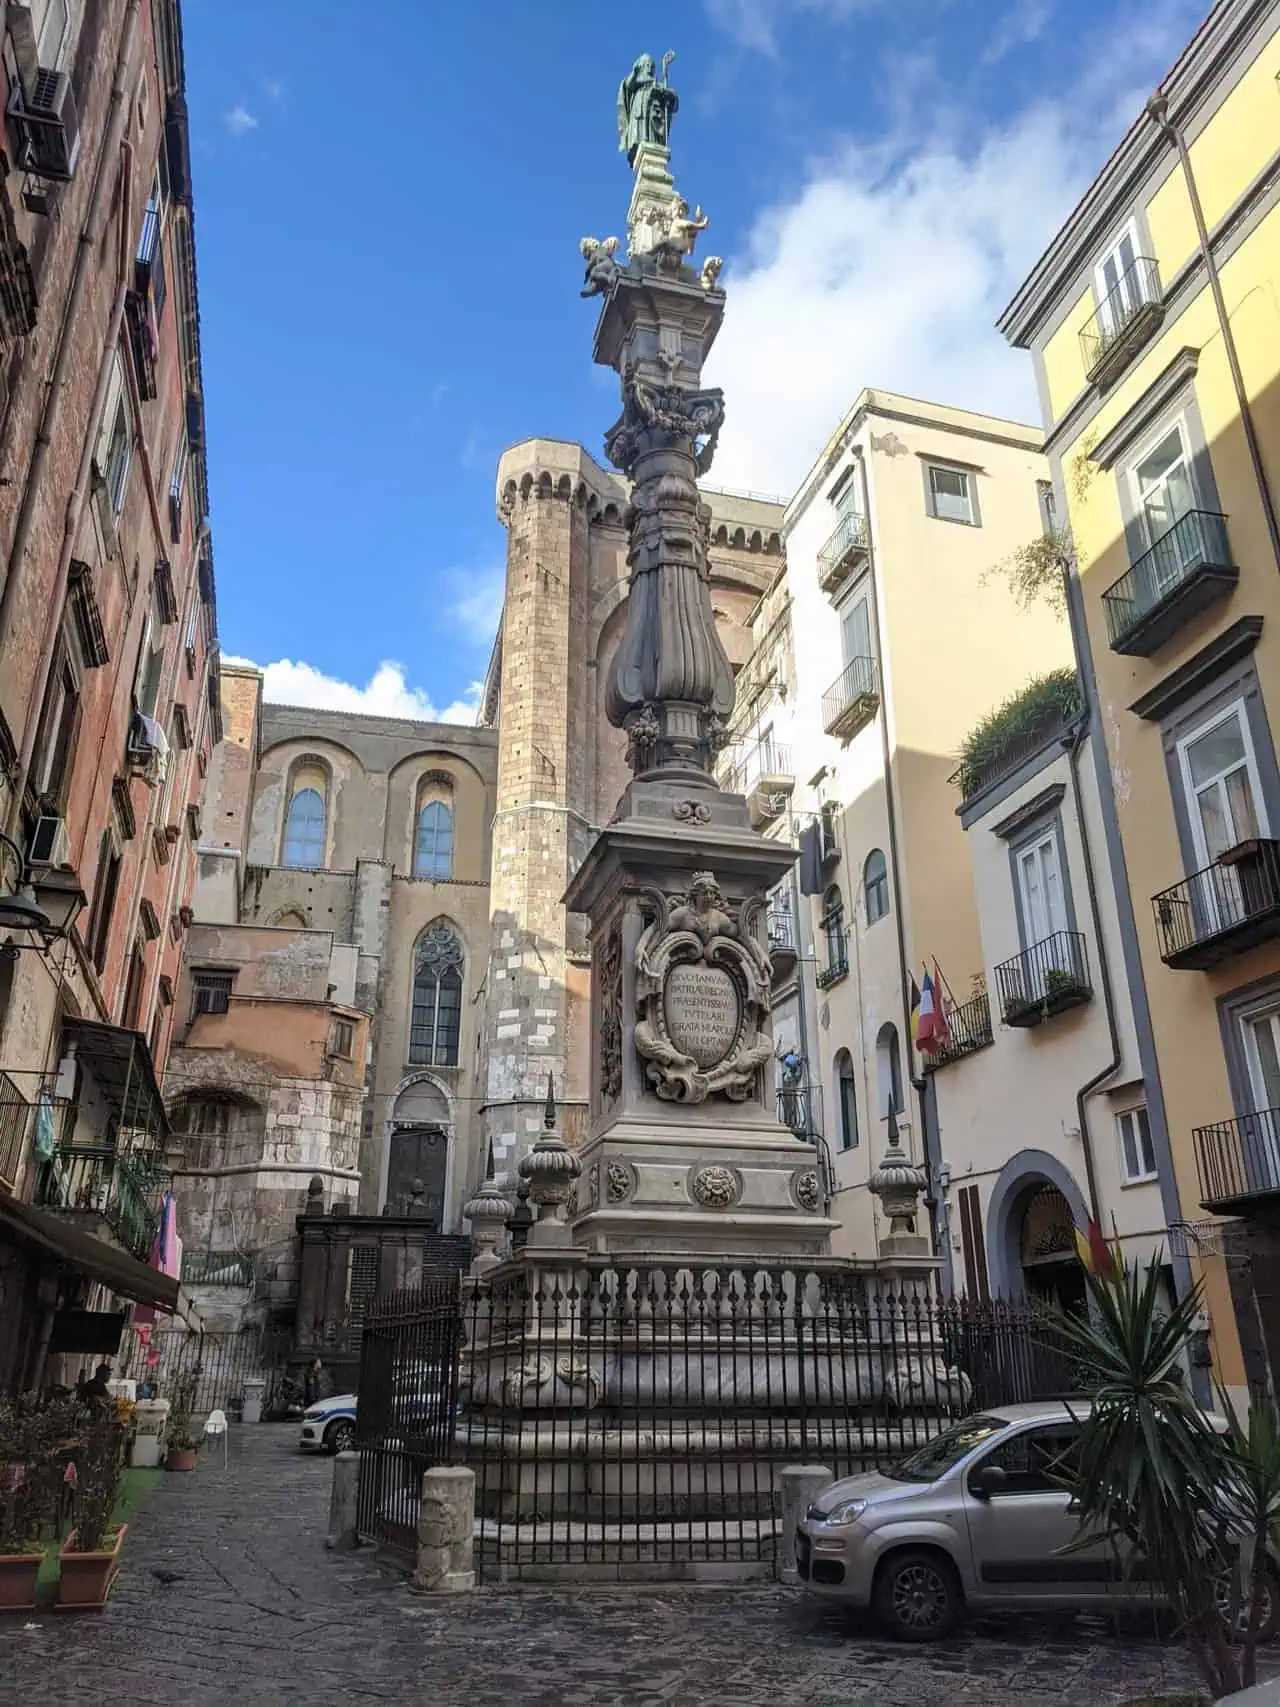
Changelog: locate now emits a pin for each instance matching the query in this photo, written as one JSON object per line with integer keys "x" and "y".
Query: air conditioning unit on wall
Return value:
{"x": 47, "y": 125}
{"x": 50, "y": 844}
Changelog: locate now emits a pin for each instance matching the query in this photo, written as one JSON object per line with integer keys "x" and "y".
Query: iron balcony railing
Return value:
{"x": 766, "y": 762}
{"x": 126, "y": 1190}
{"x": 1238, "y": 1159}
{"x": 15, "y": 1124}
{"x": 1121, "y": 315}
{"x": 781, "y": 929}
{"x": 800, "y": 1109}
{"x": 970, "y": 1029}
{"x": 1043, "y": 980}
{"x": 850, "y": 540}
{"x": 852, "y": 698}
{"x": 837, "y": 967}
{"x": 1227, "y": 907}
{"x": 1196, "y": 541}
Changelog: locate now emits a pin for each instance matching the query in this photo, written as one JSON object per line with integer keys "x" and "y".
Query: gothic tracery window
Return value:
{"x": 436, "y": 1018}
{"x": 304, "y": 829}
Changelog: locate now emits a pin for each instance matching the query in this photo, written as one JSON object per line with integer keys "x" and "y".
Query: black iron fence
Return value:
{"x": 408, "y": 1397}
{"x": 1221, "y": 909}
{"x": 218, "y": 1363}
{"x": 634, "y": 1420}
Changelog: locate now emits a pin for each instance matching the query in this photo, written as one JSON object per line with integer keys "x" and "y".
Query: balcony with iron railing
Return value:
{"x": 1124, "y": 320}
{"x": 1187, "y": 569}
{"x": 108, "y": 1188}
{"x": 969, "y": 1027}
{"x": 846, "y": 550}
{"x": 784, "y": 949}
{"x": 15, "y": 1125}
{"x": 1047, "y": 978}
{"x": 800, "y": 1109}
{"x": 853, "y": 699}
{"x": 837, "y": 966}
{"x": 1239, "y": 1162}
{"x": 1228, "y": 907}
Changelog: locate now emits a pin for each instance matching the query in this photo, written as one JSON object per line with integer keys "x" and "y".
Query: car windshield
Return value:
{"x": 948, "y": 1449}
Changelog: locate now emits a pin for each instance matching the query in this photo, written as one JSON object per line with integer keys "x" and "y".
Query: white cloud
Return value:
{"x": 240, "y": 121}
{"x": 1024, "y": 22}
{"x": 753, "y": 24}
{"x": 891, "y": 264}
{"x": 477, "y": 602}
{"x": 386, "y": 694}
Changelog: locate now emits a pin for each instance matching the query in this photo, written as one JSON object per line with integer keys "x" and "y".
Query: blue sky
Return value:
{"x": 389, "y": 199}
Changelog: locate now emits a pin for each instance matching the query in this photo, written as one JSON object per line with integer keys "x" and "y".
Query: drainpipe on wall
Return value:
{"x": 1074, "y": 744}
{"x": 929, "y": 1152}
{"x": 99, "y": 208}
{"x": 1158, "y": 107}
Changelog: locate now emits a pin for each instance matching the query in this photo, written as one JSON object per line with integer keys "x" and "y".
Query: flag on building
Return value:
{"x": 942, "y": 1026}
{"x": 1095, "y": 1254}
{"x": 927, "y": 1025}
{"x": 915, "y": 1011}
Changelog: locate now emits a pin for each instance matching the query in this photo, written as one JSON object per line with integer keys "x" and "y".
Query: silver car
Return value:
{"x": 975, "y": 1518}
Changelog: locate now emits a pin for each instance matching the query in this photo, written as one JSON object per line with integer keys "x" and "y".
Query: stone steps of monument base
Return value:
{"x": 714, "y": 1550}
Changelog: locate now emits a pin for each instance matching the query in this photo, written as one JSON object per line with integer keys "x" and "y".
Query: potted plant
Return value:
{"x": 90, "y": 1556}
{"x": 28, "y": 1503}
{"x": 180, "y": 1431}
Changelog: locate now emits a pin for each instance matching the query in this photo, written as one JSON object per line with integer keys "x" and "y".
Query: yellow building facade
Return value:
{"x": 1153, "y": 319}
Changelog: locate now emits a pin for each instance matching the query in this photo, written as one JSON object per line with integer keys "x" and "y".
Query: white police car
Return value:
{"x": 329, "y": 1425}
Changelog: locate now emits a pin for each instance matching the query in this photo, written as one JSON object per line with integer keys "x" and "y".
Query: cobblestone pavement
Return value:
{"x": 228, "y": 1595}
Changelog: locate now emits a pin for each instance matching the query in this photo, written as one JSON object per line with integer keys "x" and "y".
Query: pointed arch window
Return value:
{"x": 433, "y": 841}
{"x": 304, "y": 828}
{"x": 436, "y": 1019}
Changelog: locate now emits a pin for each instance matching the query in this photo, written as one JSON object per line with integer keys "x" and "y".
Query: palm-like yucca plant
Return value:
{"x": 1152, "y": 1475}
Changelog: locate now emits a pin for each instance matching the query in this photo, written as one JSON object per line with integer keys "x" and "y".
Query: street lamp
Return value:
{"x": 50, "y": 909}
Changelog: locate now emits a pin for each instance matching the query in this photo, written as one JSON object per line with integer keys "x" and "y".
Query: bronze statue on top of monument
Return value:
{"x": 645, "y": 106}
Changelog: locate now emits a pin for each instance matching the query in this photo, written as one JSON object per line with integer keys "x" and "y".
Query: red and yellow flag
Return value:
{"x": 1095, "y": 1253}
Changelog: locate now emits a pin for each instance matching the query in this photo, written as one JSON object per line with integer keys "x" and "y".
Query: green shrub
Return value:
{"x": 1037, "y": 709}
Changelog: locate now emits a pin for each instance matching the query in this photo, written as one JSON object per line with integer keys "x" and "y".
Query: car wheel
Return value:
{"x": 340, "y": 1436}
{"x": 917, "y": 1596}
{"x": 1269, "y": 1622}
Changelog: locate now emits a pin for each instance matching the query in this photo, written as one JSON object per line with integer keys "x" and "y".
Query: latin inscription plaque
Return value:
{"x": 702, "y": 1012}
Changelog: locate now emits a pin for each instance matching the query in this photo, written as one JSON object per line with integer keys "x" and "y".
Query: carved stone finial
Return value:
{"x": 898, "y": 1182}
{"x": 550, "y": 1169}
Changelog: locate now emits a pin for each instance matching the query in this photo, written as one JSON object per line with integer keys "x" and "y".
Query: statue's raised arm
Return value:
{"x": 645, "y": 107}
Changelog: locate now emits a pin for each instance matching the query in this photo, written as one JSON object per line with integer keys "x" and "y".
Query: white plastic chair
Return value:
{"x": 215, "y": 1426}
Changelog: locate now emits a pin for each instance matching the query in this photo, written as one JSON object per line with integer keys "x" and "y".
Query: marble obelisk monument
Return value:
{"x": 684, "y": 1153}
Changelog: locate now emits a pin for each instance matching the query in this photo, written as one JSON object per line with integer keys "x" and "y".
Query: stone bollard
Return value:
{"x": 446, "y": 1531}
{"x": 343, "y": 1535}
{"x": 801, "y": 1485}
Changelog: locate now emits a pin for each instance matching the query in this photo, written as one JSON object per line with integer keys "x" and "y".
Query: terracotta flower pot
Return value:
{"x": 18, "y": 1573}
{"x": 86, "y": 1578}
{"x": 180, "y": 1458}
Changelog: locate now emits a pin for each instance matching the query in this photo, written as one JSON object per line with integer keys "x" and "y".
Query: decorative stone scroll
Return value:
{"x": 702, "y": 995}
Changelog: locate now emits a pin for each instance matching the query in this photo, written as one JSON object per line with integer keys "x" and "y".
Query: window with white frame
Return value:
{"x": 1162, "y": 483}
{"x": 51, "y": 22}
{"x": 1137, "y": 1153}
{"x": 855, "y": 629}
{"x": 1260, "y": 1034}
{"x": 113, "y": 452}
{"x": 1117, "y": 279}
{"x": 1220, "y": 780}
{"x": 1044, "y": 906}
{"x": 951, "y": 493}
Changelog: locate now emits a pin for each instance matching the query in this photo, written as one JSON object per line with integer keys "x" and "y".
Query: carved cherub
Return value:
{"x": 710, "y": 271}
{"x": 683, "y": 230}
{"x": 602, "y": 268}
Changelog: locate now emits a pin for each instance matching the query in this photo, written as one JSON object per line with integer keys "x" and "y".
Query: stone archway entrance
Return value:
{"x": 418, "y": 1153}
{"x": 1051, "y": 1269}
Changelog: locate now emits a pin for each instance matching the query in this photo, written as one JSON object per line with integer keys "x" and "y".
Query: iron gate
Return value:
{"x": 219, "y": 1362}
{"x": 408, "y": 1399}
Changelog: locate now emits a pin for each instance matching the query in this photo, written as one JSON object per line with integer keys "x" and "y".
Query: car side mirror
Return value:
{"x": 989, "y": 1480}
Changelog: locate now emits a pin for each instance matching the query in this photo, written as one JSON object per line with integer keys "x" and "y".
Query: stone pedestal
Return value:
{"x": 446, "y": 1531}
{"x": 799, "y": 1486}
{"x": 685, "y": 1153}
{"x": 652, "y": 195}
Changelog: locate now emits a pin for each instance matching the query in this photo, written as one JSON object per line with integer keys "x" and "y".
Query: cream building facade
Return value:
{"x": 1152, "y": 323}
{"x": 905, "y": 634}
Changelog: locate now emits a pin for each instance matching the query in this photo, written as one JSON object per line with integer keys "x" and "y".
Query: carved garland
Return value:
{"x": 698, "y": 931}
